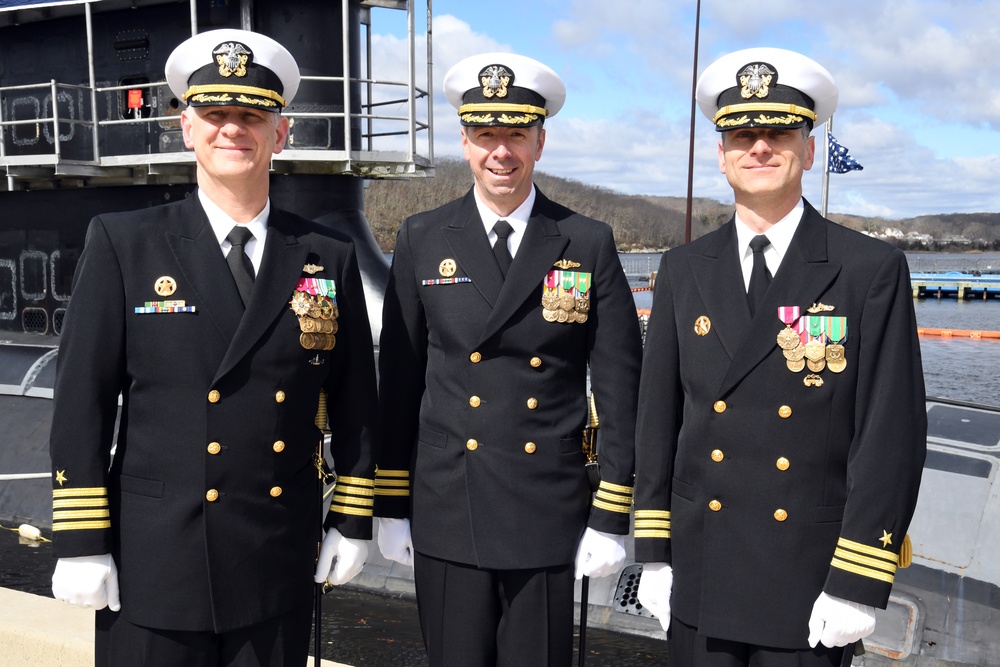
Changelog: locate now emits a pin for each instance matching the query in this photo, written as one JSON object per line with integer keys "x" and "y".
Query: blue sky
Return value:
{"x": 918, "y": 80}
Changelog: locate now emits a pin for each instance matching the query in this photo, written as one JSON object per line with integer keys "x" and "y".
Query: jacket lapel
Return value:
{"x": 468, "y": 242}
{"x": 540, "y": 248}
{"x": 196, "y": 250}
{"x": 720, "y": 284}
{"x": 804, "y": 275}
{"x": 280, "y": 269}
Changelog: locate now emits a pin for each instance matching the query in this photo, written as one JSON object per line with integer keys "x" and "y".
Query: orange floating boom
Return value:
{"x": 974, "y": 334}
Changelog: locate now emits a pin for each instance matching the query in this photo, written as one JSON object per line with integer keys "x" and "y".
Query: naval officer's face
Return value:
{"x": 766, "y": 162}
{"x": 502, "y": 161}
{"x": 233, "y": 142}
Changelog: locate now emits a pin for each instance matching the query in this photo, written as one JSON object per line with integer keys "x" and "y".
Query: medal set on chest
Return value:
{"x": 315, "y": 304}
{"x": 814, "y": 341}
{"x": 566, "y": 294}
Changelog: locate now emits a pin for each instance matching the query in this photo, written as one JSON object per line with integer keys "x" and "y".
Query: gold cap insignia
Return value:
{"x": 232, "y": 58}
{"x": 755, "y": 79}
{"x": 495, "y": 80}
{"x": 566, "y": 264}
{"x": 312, "y": 268}
{"x": 702, "y": 325}
{"x": 820, "y": 308}
{"x": 165, "y": 286}
{"x": 447, "y": 267}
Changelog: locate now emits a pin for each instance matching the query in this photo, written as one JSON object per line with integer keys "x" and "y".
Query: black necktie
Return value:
{"x": 239, "y": 263}
{"x": 760, "y": 277}
{"x": 500, "y": 250}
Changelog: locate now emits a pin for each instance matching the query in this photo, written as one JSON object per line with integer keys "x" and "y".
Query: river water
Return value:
{"x": 955, "y": 368}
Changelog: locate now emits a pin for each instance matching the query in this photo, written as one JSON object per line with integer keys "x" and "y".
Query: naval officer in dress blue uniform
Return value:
{"x": 219, "y": 320}
{"x": 782, "y": 422}
{"x": 496, "y": 305}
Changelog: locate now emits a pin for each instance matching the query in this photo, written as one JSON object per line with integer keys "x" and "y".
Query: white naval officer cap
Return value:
{"x": 233, "y": 67}
{"x": 766, "y": 87}
{"x": 503, "y": 89}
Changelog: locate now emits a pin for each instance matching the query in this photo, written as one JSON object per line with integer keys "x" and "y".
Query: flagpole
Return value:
{"x": 694, "y": 85}
{"x": 828, "y": 128}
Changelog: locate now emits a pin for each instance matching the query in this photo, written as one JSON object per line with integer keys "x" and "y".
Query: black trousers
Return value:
{"x": 282, "y": 641}
{"x": 687, "y": 648}
{"x": 472, "y": 617}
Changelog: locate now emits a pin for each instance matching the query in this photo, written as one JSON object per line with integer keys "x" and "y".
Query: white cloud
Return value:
{"x": 915, "y": 77}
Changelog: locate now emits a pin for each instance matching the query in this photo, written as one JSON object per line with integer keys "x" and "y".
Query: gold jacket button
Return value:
{"x": 536, "y": 362}
{"x": 214, "y": 448}
{"x": 720, "y": 406}
{"x": 211, "y": 495}
{"x": 214, "y": 396}
{"x": 278, "y": 446}
{"x": 472, "y": 444}
{"x": 275, "y": 491}
{"x": 475, "y": 357}
{"x": 279, "y": 397}
{"x": 780, "y": 515}
{"x": 532, "y": 403}
{"x": 715, "y": 505}
{"x": 782, "y": 463}
{"x": 717, "y": 455}
{"x": 784, "y": 412}
{"x": 530, "y": 447}
{"x": 474, "y": 401}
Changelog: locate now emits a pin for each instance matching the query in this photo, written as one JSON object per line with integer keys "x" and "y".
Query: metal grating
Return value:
{"x": 626, "y": 596}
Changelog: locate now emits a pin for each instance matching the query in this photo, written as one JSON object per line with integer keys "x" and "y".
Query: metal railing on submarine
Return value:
{"x": 59, "y": 134}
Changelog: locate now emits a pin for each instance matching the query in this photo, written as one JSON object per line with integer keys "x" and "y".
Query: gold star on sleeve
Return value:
{"x": 61, "y": 477}
{"x": 886, "y": 539}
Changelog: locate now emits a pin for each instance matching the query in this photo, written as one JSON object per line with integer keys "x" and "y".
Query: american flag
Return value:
{"x": 840, "y": 161}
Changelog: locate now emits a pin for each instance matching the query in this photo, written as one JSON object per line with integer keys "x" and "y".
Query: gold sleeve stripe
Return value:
{"x": 81, "y": 525}
{"x": 608, "y": 486}
{"x": 80, "y": 514}
{"x": 653, "y": 523}
{"x": 652, "y": 514}
{"x": 621, "y": 509}
{"x": 614, "y": 497}
{"x": 350, "y": 500}
{"x": 863, "y": 571}
{"x": 359, "y": 481}
{"x": 663, "y": 534}
{"x": 864, "y": 560}
{"x": 82, "y": 491}
{"x": 391, "y": 482}
{"x": 884, "y": 554}
{"x": 391, "y": 473}
{"x": 393, "y": 492}
{"x": 354, "y": 490}
{"x": 80, "y": 502}
{"x": 342, "y": 509}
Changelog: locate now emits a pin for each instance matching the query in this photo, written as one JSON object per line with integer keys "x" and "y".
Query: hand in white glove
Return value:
{"x": 655, "y": 583}
{"x": 599, "y": 554}
{"x": 87, "y": 581}
{"x": 837, "y": 622}
{"x": 340, "y": 558}
{"x": 394, "y": 540}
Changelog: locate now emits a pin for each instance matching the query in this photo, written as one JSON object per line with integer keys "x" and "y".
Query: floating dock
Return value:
{"x": 955, "y": 284}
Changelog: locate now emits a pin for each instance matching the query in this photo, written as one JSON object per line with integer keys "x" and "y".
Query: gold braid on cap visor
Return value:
{"x": 247, "y": 90}
{"x": 757, "y": 106}
{"x": 490, "y": 106}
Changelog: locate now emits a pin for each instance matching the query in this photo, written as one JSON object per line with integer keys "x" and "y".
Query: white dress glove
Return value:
{"x": 87, "y": 581}
{"x": 838, "y": 622}
{"x": 394, "y": 540}
{"x": 340, "y": 558}
{"x": 655, "y": 583}
{"x": 599, "y": 554}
